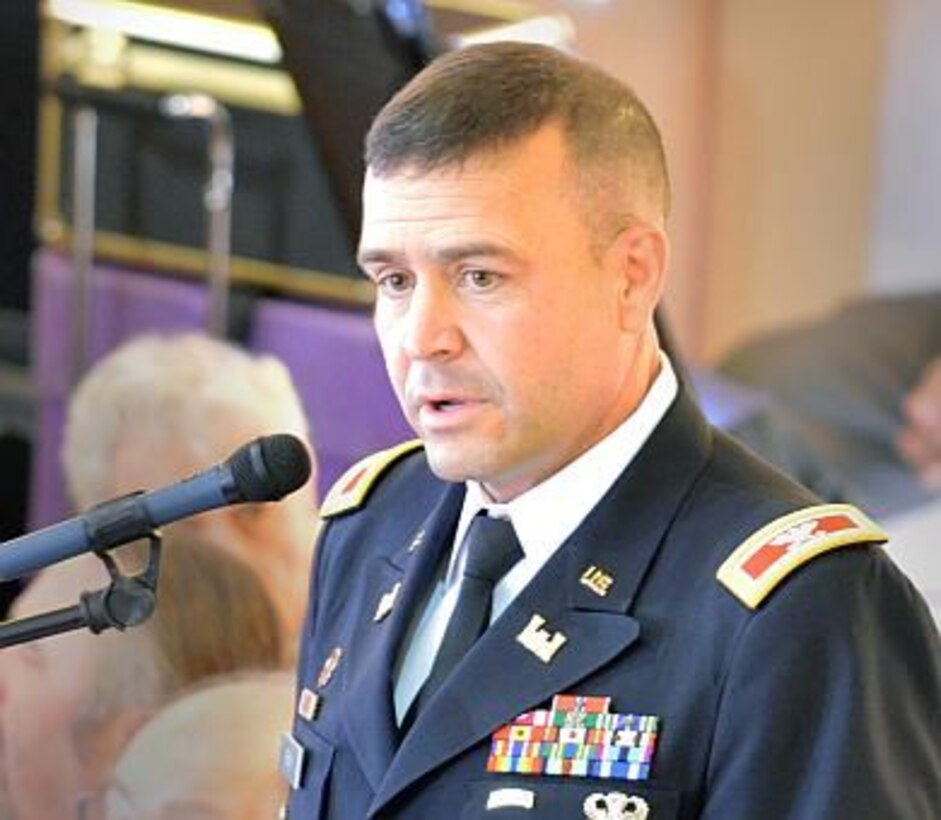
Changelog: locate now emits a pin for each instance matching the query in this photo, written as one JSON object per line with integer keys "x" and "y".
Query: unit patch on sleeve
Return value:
{"x": 766, "y": 558}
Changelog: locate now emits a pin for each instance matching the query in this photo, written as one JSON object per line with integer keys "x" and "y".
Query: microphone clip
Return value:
{"x": 128, "y": 601}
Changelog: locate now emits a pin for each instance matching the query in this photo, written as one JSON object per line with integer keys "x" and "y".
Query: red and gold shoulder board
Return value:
{"x": 350, "y": 490}
{"x": 777, "y": 549}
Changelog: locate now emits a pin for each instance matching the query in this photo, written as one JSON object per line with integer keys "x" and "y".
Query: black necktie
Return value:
{"x": 492, "y": 549}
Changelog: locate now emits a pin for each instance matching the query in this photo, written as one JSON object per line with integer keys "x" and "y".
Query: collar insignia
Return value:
{"x": 597, "y": 580}
{"x": 542, "y": 643}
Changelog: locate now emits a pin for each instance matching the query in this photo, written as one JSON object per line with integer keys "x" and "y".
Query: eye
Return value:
{"x": 393, "y": 283}
{"x": 480, "y": 279}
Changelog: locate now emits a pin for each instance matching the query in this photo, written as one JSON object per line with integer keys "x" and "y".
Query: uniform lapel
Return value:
{"x": 370, "y": 717}
{"x": 501, "y": 678}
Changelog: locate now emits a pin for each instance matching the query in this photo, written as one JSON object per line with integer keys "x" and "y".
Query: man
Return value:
{"x": 69, "y": 703}
{"x": 160, "y": 408}
{"x": 654, "y": 651}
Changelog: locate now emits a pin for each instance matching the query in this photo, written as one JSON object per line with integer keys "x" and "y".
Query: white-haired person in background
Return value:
{"x": 70, "y": 703}
{"x": 211, "y": 754}
{"x": 160, "y": 408}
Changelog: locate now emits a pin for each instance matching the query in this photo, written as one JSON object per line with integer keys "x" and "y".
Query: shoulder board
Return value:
{"x": 350, "y": 490}
{"x": 766, "y": 558}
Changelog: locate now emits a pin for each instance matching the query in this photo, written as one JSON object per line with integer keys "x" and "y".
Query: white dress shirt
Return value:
{"x": 543, "y": 517}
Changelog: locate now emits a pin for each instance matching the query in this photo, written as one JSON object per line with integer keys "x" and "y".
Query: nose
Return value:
{"x": 430, "y": 324}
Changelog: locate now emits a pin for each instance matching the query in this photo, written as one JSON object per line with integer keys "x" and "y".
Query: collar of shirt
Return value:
{"x": 547, "y": 514}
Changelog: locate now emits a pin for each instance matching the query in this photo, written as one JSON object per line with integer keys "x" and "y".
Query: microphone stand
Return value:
{"x": 127, "y": 601}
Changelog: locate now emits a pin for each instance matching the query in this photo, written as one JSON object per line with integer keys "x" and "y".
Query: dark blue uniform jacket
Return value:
{"x": 824, "y": 703}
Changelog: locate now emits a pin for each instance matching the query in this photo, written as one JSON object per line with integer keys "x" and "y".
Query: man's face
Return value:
{"x": 43, "y": 685}
{"x": 512, "y": 347}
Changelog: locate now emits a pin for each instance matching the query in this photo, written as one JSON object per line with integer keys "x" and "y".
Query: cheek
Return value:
{"x": 37, "y": 741}
{"x": 388, "y": 343}
{"x": 559, "y": 362}
{"x": 396, "y": 368}
{"x": 33, "y": 712}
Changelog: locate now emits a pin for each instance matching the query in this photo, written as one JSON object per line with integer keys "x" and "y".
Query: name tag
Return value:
{"x": 291, "y": 760}
{"x": 511, "y": 799}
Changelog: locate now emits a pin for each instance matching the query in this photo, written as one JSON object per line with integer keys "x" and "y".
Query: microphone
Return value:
{"x": 266, "y": 469}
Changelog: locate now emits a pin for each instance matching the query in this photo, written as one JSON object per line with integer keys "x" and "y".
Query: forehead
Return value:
{"x": 524, "y": 180}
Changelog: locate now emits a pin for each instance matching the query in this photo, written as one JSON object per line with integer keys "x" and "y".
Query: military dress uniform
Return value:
{"x": 709, "y": 643}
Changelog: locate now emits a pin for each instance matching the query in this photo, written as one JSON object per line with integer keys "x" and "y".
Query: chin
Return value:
{"x": 450, "y": 463}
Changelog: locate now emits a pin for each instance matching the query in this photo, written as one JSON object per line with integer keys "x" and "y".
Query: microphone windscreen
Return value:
{"x": 269, "y": 468}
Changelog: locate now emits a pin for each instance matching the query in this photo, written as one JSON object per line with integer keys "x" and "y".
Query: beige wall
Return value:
{"x": 770, "y": 114}
{"x": 662, "y": 49}
{"x": 906, "y": 235}
{"x": 797, "y": 107}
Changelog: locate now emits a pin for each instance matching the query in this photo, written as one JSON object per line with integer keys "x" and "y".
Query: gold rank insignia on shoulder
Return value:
{"x": 766, "y": 558}
{"x": 349, "y": 492}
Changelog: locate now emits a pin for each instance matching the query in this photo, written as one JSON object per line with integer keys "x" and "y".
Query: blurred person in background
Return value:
{"x": 69, "y": 703}
{"x": 919, "y": 436}
{"x": 853, "y": 404}
{"x": 850, "y": 405}
{"x": 231, "y": 773}
{"x": 160, "y": 408}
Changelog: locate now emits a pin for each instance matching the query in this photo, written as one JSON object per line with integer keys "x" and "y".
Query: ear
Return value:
{"x": 640, "y": 257}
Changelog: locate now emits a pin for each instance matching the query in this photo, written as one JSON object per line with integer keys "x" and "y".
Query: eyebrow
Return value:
{"x": 446, "y": 255}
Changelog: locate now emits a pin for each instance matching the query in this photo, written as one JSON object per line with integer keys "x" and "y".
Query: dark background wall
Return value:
{"x": 19, "y": 62}
{"x": 19, "y": 70}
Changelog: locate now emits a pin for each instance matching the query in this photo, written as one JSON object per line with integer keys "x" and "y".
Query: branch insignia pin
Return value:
{"x": 540, "y": 641}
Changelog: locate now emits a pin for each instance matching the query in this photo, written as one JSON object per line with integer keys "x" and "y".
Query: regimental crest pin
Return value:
{"x": 387, "y": 603}
{"x": 615, "y": 806}
{"x": 329, "y": 667}
{"x": 308, "y": 704}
